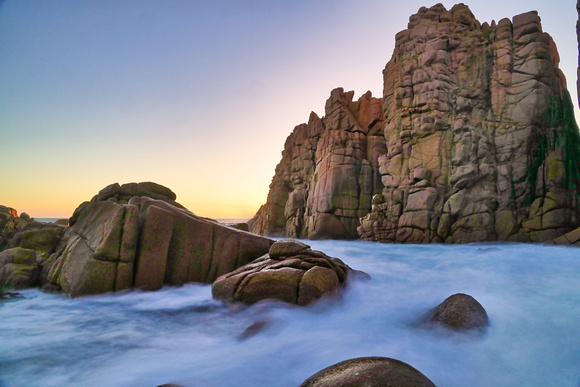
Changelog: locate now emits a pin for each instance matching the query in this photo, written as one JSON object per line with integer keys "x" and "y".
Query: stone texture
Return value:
{"x": 481, "y": 139}
{"x": 291, "y": 272}
{"x": 10, "y": 223}
{"x": 459, "y": 312}
{"x": 328, "y": 172}
{"x": 123, "y": 239}
{"x": 475, "y": 138}
{"x": 19, "y": 266}
{"x": 369, "y": 371}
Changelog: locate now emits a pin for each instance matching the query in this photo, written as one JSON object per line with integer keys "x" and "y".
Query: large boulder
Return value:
{"x": 121, "y": 240}
{"x": 369, "y": 372}
{"x": 291, "y": 272}
{"x": 328, "y": 172}
{"x": 459, "y": 312}
{"x": 480, "y": 130}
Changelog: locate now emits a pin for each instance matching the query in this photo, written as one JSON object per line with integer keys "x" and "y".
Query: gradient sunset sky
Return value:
{"x": 196, "y": 95}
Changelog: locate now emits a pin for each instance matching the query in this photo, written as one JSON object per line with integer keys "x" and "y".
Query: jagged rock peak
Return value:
{"x": 328, "y": 172}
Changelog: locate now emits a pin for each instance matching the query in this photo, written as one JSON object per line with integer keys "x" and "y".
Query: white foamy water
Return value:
{"x": 183, "y": 336}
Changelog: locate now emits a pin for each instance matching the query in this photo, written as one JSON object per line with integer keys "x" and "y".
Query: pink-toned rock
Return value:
{"x": 328, "y": 172}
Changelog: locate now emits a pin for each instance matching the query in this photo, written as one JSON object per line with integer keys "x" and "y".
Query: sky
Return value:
{"x": 196, "y": 95}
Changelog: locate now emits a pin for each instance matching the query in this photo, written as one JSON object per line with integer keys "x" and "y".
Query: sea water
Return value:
{"x": 183, "y": 336}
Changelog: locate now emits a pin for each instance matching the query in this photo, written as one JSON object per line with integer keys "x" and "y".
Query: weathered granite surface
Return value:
{"x": 370, "y": 372}
{"x": 290, "y": 272}
{"x": 128, "y": 236}
{"x": 459, "y": 312}
{"x": 328, "y": 172}
{"x": 480, "y": 143}
{"x": 481, "y": 137}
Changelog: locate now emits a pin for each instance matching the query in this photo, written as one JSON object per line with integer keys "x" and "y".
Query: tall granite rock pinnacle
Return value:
{"x": 476, "y": 141}
{"x": 481, "y": 137}
{"x": 328, "y": 172}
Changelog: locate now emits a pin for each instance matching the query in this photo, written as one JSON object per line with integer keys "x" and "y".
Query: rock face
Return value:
{"x": 137, "y": 236}
{"x": 481, "y": 137}
{"x": 10, "y": 223}
{"x": 459, "y": 312}
{"x": 328, "y": 172}
{"x": 480, "y": 143}
{"x": 291, "y": 272}
{"x": 370, "y": 372}
{"x": 571, "y": 238}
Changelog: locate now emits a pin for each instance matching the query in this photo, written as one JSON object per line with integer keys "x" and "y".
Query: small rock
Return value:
{"x": 459, "y": 312}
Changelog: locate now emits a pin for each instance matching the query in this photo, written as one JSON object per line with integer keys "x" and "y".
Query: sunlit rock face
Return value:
{"x": 481, "y": 139}
{"x": 328, "y": 173}
{"x": 137, "y": 236}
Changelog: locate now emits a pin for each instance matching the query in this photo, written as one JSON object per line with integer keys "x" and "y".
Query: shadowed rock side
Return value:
{"x": 25, "y": 246}
{"x": 291, "y": 272}
{"x": 328, "y": 172}
{"x": 124, "y": 238}
{"x": 482, "y": 143}
{"x": 370, "y": 372}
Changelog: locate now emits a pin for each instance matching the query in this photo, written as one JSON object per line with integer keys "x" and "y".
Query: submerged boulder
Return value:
{"x": 291, "y": 272}
{"x": 369, "y": 372}
{"x": 123, "y": 239}
{"x": 459, "y": 312}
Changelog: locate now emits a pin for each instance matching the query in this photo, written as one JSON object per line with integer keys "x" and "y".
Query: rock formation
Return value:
{"x": 290, "y": 272}
{"x": 370, "y": 372}
{"x": 129, "y": 236}
{"x": 459, "y": 312}
{"x": 328, "y": 172}
{"x": 481, "y": 137}
{"x": 480, "y": 143}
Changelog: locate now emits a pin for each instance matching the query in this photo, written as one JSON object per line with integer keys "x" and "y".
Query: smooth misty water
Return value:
{"x": 181, "y": 335}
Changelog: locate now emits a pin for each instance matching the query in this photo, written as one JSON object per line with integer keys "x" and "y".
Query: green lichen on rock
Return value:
{"x": 559, "y": 116}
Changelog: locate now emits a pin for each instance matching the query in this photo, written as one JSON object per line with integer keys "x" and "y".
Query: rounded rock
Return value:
{"x": 370, "y": 372}
{"x": 459, "y": 312}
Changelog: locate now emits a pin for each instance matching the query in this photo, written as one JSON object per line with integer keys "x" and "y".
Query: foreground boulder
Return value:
{"x": 291, "y": 272}
{"x": 370, "y": 372}
{"x": 137, "y": 236}
{"x": 459, "y": 312}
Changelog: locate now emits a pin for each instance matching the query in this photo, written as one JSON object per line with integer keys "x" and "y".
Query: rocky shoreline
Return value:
{"x": 473, "y": 140}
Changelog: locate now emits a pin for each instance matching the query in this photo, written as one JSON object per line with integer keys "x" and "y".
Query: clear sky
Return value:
{"x": 196, "y": 95}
